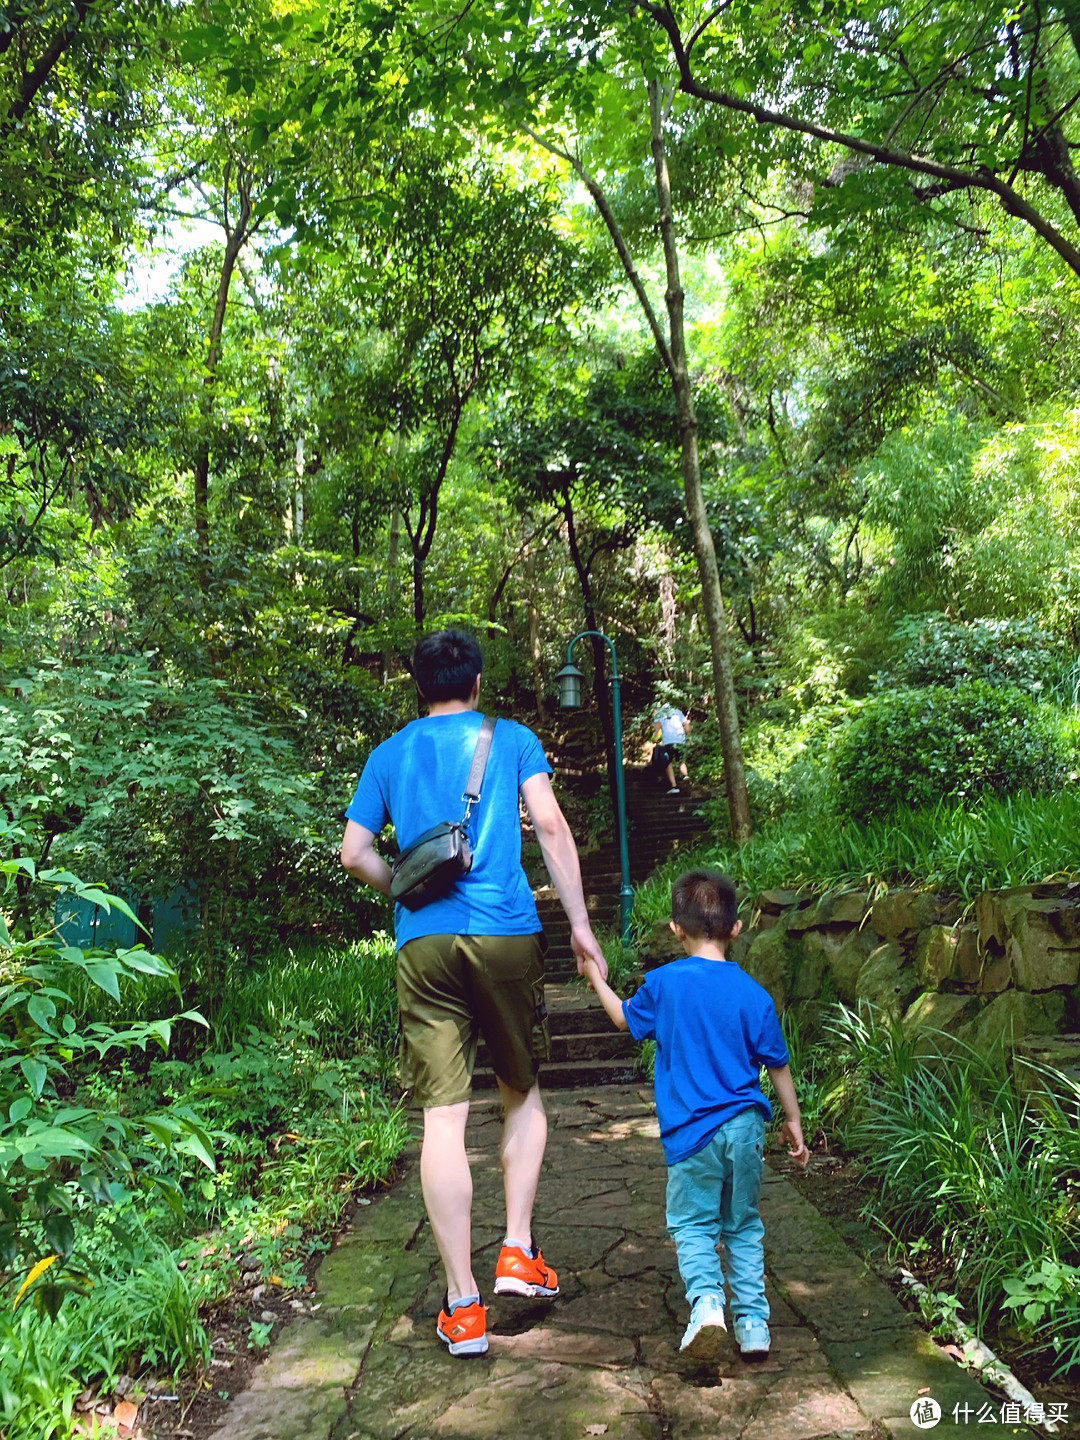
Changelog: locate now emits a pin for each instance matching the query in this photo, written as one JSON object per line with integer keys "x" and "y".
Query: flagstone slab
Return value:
{"x": 603, "y": 1357}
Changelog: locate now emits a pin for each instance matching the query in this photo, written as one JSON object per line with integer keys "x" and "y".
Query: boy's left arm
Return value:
{"x": 791, "y": 1130}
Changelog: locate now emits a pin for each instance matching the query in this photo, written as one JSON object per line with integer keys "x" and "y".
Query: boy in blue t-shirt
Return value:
{"x": 714, "y": 1029}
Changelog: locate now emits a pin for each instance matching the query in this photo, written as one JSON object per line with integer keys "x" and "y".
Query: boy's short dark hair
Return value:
{"x": 445, "y": 665}
{"x": 704, "y": 904}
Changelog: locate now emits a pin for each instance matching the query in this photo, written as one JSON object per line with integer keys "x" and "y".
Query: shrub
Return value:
{"x": 60, "y": 1159}
{"x": 940, "y": 651}
{"x": 1018, "y": 840}
{"x": 913, "y": 747}
{"x": 962, "y": 1156}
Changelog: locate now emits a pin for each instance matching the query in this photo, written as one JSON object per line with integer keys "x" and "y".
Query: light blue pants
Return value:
{"x": 714, "y": 1196}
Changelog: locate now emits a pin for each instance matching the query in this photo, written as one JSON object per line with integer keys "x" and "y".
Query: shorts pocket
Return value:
{"x": 541, "y": 1026}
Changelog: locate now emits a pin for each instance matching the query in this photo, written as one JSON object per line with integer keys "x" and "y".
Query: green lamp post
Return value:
{"x": 569, "y": 681}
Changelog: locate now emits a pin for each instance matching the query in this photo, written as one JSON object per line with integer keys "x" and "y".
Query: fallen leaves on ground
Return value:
{"x": 125, "y": 1414}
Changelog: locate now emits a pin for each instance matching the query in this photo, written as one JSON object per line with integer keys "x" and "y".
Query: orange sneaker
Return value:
{"x": 464, "y": 1330}
{"x": 518, "y": 1273}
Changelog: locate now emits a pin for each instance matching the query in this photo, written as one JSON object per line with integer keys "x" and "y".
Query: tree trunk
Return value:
{"x": 712, "y": 596}
{"x": 536, "y": 649}
{"x": 235, "y": 238}
{"x": 418, "y": 593}
{"x": 601, "y": 687}
{"x": 298, "y": 492}
{"x": 393, "y": 585}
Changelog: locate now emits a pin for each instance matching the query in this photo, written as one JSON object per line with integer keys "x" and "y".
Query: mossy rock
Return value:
{"x": 901, "y": 914}
{"x": 887, "y": 981}
{"x": 935, "y": 1017}
{"x": 769, "y": 958}
{"x": 841, "y": 951}
{"x": 842, "y": 907}
{"x": 949, "y": 955}
{"x": 1013, "y": 1016}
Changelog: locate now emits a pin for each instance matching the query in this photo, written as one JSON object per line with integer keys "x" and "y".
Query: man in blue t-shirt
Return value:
{"x": 714, "y": 1028}
{"x": 470, "y": 962}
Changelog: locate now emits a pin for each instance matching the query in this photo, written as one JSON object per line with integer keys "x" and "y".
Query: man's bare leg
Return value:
{"x": 521, "y": 1154}
{"x": 447, "y": 1185}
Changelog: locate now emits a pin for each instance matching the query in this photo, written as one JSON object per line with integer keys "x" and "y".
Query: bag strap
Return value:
{"x": 479, "y": 765}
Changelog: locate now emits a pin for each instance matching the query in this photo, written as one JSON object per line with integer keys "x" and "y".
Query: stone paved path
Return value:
{"x": 847, "y": 1360}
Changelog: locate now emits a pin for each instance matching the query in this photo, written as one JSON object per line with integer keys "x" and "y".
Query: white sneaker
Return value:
{"x": 674, "y": 790}
{"x": 706, "y": 1335}
{"x": 752, "y": 1337}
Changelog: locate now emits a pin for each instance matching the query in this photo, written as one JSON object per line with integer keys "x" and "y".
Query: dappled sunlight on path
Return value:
{"x": 602, "y": 1359}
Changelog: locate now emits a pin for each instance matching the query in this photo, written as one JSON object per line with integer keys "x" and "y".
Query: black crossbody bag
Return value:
{"x": 429, "y": 866}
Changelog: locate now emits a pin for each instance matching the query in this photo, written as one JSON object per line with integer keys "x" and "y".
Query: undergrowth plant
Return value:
{"x": 61, "y": 1157}
{"x": 344, "y": 994}
{"x": 132, "y": 1181}
{"x": 958, "y": 1152}
{"x": 999, "y": 843}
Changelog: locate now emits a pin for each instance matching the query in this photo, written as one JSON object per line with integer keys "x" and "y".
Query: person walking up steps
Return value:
{"x": 714, "y": 1028}
{"x": 470, "y": 960}
{"x": 672, "y": 728}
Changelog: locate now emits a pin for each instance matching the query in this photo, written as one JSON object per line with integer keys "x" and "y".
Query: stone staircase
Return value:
{"x": 586, "y": 1049}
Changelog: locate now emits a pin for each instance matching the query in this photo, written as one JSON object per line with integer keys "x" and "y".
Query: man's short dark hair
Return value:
{"x": 445, "y": 666}
{"x": 704, "y": 904}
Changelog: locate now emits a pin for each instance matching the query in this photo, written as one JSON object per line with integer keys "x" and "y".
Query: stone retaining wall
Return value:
{"x": 1008, "y": 969}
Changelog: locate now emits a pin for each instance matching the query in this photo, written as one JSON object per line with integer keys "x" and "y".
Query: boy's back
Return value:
{"x": 714, "y": 1027}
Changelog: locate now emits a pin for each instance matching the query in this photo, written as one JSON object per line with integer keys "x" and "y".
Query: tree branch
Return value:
{"x": 607, "y": 215}
{"x": 979, "y": 178}
{"x": 33, "y": 82}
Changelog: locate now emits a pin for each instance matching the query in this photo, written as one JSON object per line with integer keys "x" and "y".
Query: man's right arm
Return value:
{"x": 360, "y": 858}
{"x": 561, "y": 859}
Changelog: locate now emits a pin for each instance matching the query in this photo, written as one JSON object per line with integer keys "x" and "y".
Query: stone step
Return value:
{"x": 667, "y": 832}
{"x": 579, "y": 1015}
{"x": 574, "y": 1075}
{"x": 664, "y": 837}
{"x": 612, "y": 1045}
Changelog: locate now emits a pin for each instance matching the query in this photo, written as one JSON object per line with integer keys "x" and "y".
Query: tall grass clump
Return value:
{"x": 989, "y": 1171}
{"x": 338, "y": 992}
{"x": 1000, "y": 842}
{"x": 149, "y": 1313}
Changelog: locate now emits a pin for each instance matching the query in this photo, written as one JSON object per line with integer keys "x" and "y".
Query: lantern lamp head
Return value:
{"x": 569, "y": 681}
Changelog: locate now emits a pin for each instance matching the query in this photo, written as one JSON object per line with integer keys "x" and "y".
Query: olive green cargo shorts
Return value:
{"x": 453, "y": 989}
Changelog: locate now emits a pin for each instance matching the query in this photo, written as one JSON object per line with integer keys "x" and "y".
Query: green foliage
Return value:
{"x": 1039, "y": 1289}
{"x": 979, "y": 520}
{"x": 919, "y": 489}
{"x": 297, "y": 1119}
{"x": 956, "y": 1150}
{"x": 60, "y": 1158}
{"x": 913, "y": 747}
{"x": 934, "y": 650}
{"x": 78, "y": 742}
{"x": 997, "y": 844}
{"x": 341, "y": 993}
{"x": 155, "y": 780}
{"x": 623, "y": 962}
{"x": 813, "y": 1070}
